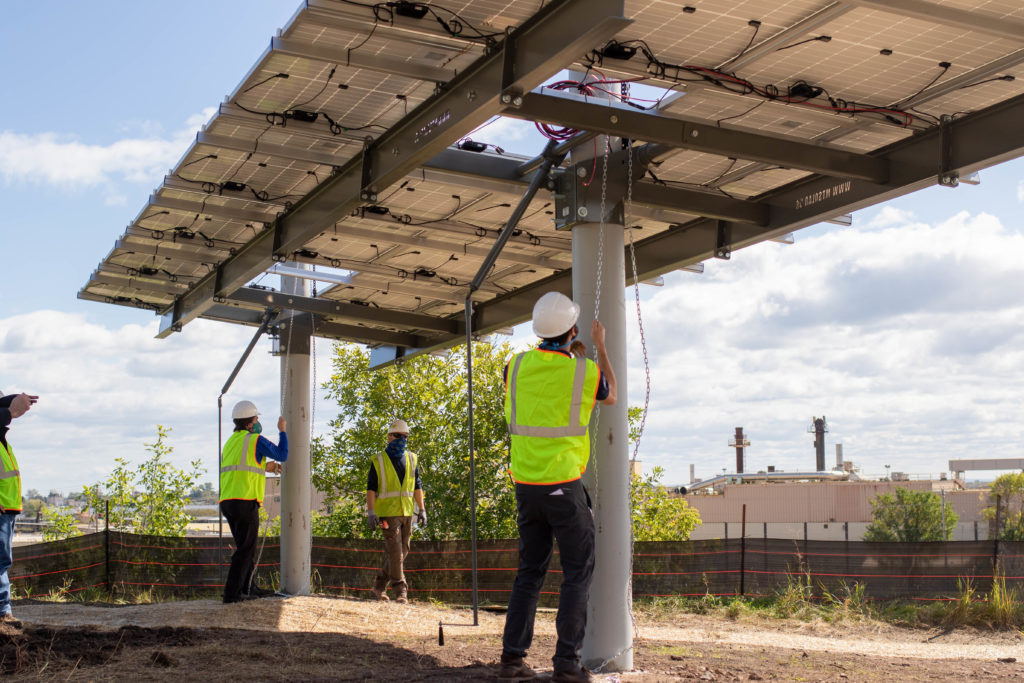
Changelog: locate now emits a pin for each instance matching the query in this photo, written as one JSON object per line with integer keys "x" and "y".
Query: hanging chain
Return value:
{"x": 636, "y": 296}
{"x": 597, "y": 304}
{"x": 314, "y": 387}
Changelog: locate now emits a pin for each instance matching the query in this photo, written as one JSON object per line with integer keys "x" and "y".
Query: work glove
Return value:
{"x": 371, "y": 518}
{"x": 421, "y": 517}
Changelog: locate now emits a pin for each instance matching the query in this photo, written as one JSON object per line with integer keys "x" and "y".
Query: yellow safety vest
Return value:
{"x": 548, "y": 401}
{"x": 394, "y": 497}
{"x": 241, "y": 477}
{"x": 10, "y": 480}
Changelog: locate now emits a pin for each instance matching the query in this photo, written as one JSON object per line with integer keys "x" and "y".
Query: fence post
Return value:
{"x": 995, "y": 544}
{"x": 743, "y": 548}
{"x": 106, "y": 543}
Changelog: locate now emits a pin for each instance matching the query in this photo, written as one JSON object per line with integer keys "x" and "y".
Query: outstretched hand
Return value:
{"x": 21, "y": 404}
{"x": 281, "y": 424}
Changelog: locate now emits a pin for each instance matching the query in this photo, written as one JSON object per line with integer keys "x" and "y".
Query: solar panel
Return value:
{"x": 338, "y": 150}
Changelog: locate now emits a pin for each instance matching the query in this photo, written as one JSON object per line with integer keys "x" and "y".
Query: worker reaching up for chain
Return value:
{"x": 392, "y": 485}
{"x": 247, "y": 455}
{"x": 550, "y": 393}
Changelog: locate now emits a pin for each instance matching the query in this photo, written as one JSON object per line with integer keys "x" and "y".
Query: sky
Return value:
{"x": 905, "y": 330}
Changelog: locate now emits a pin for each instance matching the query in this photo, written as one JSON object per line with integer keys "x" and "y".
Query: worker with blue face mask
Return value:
{"x": 246, "y": 457}
{"x": 392, "y": 487}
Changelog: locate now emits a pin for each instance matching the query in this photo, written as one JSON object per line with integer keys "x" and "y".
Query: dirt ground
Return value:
{"x": 320, "y": 638}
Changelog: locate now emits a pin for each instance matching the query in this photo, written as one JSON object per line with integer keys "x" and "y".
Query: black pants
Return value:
{"x": 244, "y": 519}
{"x": 546, "y": 513}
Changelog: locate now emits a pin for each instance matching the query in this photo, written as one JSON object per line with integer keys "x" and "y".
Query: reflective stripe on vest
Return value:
{"x": 395, "y": 498}
{"x": 10, "y": 479}
{"x": 243, "y": 479}
{"x": 548, "y": 402}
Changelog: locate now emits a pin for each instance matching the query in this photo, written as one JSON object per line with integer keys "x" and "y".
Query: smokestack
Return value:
{"x": 691, "y": 473}
{"x": 839, "y": 456}
{"x": 739, "y": 442}
{"x": 818, "y": 428}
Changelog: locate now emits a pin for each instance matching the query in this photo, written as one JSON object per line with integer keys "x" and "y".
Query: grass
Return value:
{"x": 1002, "y": 608}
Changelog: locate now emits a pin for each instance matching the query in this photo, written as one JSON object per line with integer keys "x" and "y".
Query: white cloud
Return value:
{"x": 908, "y": 338}
{"x": 103, "y": 391}
{"x": 889, "y": 216}
{"x": 68, "y": 162}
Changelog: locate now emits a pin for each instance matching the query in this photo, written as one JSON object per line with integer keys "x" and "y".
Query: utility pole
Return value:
{"x": 598, "y": 257}
{"x": 296, "y": 534}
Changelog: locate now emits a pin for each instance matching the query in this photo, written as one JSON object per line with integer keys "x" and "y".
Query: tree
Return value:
{"x": 656, "y": 515}
{"x": 203, "y": 494}
{"x": 150, "y": 499}
{"x": 909, "y": 517}
{"x": 1010, "y": 491}
{"x": 60, "y": 524}
{"x": 32, "y": 507}
{"x": 428, "y": 392}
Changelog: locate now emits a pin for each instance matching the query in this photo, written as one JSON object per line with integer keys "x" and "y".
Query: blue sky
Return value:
{"x": 906, "y": 330}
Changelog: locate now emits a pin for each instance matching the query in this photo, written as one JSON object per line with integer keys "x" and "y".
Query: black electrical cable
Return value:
{"x": 823, "y": 39}
{"x": 945, "y": 67}
{"x": 739, "y": 116}
{"x": 268, "y": 78}
{"x": 757, "y": 27}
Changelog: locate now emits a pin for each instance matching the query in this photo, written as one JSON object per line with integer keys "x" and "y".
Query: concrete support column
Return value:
{"x": 609, "y": 637}
{"x": 296, "y": 534}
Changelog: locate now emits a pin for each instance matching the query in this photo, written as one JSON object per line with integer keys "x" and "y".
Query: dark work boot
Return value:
{"x": 579, "y": 675}
{"x": 515, "y": 669}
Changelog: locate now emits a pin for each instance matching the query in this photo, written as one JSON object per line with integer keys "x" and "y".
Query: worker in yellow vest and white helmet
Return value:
{"x": 247, "y": 455}
{"x": 11, "y": 407}
{"x": 550, "y": 393}
{"x": 392, "y": 485}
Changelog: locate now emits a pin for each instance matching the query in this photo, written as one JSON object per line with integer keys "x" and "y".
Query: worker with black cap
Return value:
{"x": 247, "y": 455}
{"x": 550, "y": 393}
{"x": 392, "y": 485}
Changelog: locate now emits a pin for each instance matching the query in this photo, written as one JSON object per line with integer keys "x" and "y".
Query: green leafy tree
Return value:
{"x": 428, "y": 392}
{"x": 908, "y": 517}
{"x": 150, "y": 499}
{"x": 60, "y": 524}
{"x": 32, "y": 507}
{"x": 1010, "y": 491}
{"x": 656, "y": 515}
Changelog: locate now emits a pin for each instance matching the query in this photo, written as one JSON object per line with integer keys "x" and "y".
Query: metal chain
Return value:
{"x": 312, "y": 354}
{"x": 647, "y": 369}
{"x": 597, "y": 303}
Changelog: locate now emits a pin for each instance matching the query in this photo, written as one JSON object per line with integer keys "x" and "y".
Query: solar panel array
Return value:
{"x": 852, "y": 75}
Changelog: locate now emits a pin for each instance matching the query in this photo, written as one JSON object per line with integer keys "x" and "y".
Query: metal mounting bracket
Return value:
{"x": 723, "y": 241}
{"x": 948, "y": 177}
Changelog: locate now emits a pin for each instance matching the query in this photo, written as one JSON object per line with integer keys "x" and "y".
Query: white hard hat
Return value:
{"x": 398, "y": 427}
{"x": 554, "y": 314}
{"x": 244, "y": 409}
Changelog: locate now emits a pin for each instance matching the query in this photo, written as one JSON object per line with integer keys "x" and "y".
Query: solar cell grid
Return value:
{"x": 195, "y": 222}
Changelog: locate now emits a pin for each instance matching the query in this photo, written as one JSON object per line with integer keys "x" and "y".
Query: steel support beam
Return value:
{"x": 708, "y": 204}
{"x": 366, "y": 335}
{"x": 342, "y": 309}
{"x": 623, "y": 121}
{"x": 546, "y": 42}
